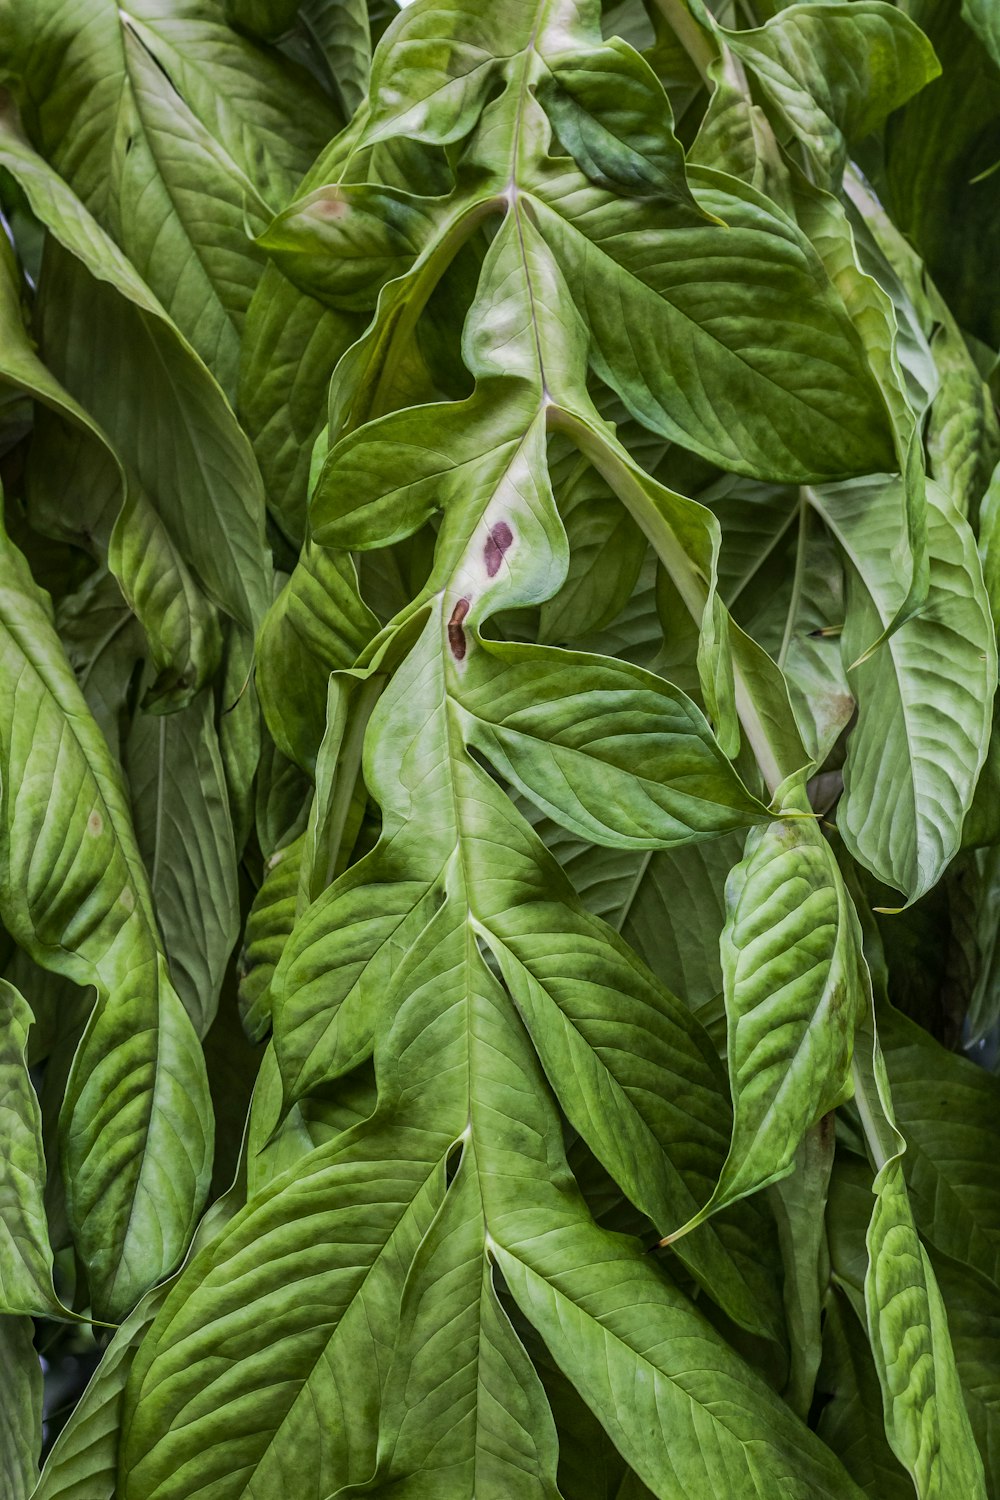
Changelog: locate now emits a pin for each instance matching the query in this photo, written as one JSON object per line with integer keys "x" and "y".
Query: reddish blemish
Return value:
{"x": 500, "y": 538}
{"x": 456, "y": 635}
{"x": 328, "y": 208}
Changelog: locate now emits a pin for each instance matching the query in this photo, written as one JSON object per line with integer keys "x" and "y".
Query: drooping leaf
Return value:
{"x": 83, "y": 1461}
{"x": 25, "y": 1252}
{"x": 791, "y": 963}
{"x": 164, "y": 413}
{"x": 185, "y": 834}
{"x": 170, "y": 127}
{"x": 20, "y": 1408}
{"x": 74, "y": 893}
{"x": 178, "y": 621}
{"x": 612, "y": 115}
{"x": 656, "y": 776}
{"x": 924, "y": 697}
{"x": 926, "y": 1421}
{"x": 834, "y": 71}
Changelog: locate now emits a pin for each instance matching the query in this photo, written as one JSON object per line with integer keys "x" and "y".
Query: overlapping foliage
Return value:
{"x": 498, "y": 805}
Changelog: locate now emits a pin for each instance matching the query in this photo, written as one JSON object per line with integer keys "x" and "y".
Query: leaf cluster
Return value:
{"x": 499, "y": 805}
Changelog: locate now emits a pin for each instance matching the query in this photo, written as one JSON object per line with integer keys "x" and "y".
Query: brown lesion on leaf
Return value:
{"x": 498, "y": 541}
{"x": 330, "y": 206}
{"x": 95, "y": 824}
{"x": 456, "y": 633}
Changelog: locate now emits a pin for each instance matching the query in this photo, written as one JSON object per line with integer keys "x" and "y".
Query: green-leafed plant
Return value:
{"x": 499, "y": 814}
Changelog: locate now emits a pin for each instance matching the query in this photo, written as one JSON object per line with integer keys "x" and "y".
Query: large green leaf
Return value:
{"x": 75, "y": 894}
{"x": 651, "y": 1332}
{"x": 791, "y": 964}
{"x": 834, "y": 72}
{"x": 163, "y": 412}
{"x": 178, "y": 621}
{"x": 653, "y": 777}
{"x": 924, "y": 697}
{"x": 82, "y": 1463}
{"x": 171, "y": 129}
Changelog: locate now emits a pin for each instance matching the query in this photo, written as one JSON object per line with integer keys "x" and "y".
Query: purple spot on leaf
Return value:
{"x": 499, "y": 540}
{"x": 456, "y": 635}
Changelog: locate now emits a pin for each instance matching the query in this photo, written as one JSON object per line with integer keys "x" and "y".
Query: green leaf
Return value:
{"x": 851, "y": 1421}
{"x": 607, "y": 551}
{"x": 799, "y": 1203}
{"x": 290, "y": 346}
{"x": 940, "y": 150}
{"x": 612, "y": 115}
{"x": 163, "y": 398}
{"x": 20, "y": 1408}
{"x": 184, "y": 831}
{"x": 833, "y": 72}
{"x": 75, "y": 894}
{"x": 983, "y": 20}
{"x": 655, "y": 777}
{"x": 791, "y": 963}
{"x": 342, "y": 31}
{"x": 963, "y": 436}
{"x": 268, "y": 927}
{"x": 678, "y": 1377}
{"x": 347, "y": 1181}
{"x": 25, "y": 1252}
{"x": 926, "y": 1421}
{"x": 646, "y": 291}
{"x": 318, "y": 623}
{"x": 103, "y": 641}
{"x": 239, "y": 730}
{"x": 923, "y": 698}
{"x": 342, "y": 242}
{"x": 83, "y": 1461}
{"x": 170, "y": 128}
{"x": 177, "y": 620}
{"x": 974, "y": 1321}
{"x": 949, "y": 1113}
